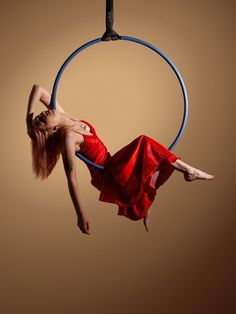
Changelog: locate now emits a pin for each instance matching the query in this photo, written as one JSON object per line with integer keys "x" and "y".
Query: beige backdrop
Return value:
{"x": 186, "y": 263}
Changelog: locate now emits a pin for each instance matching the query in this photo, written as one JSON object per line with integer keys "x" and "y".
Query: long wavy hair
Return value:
{"x": 46, "y": 151}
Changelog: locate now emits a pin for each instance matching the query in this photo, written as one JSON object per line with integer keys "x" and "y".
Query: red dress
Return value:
{"x": 126, "y": 179}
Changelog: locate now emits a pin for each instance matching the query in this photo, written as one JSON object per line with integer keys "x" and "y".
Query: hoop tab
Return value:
{"x": 110, "y": 34}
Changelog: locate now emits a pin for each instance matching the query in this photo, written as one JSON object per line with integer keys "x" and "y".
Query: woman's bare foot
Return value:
{"x": 146, "y": 221}
{"x": 193, "y": 174}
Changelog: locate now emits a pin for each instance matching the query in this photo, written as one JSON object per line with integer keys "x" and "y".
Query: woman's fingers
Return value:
{"x": 83, "y": 224}
{"x": 86, "y": 227}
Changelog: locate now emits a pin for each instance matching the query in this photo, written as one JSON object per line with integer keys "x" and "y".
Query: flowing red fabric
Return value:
{"x": 127, "y": 177}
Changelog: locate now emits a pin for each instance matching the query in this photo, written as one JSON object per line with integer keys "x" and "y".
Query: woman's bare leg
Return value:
{"x": 146, "y": 220}
{"x": 191, "y": 173}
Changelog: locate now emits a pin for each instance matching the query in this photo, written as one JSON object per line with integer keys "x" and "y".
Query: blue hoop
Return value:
{"x": 144, "y": 43}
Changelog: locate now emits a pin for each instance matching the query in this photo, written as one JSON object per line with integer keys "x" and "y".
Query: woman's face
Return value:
{"x": 46, "y": 120}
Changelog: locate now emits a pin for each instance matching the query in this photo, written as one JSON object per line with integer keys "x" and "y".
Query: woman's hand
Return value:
{"x": 29, "y": 125}
{"x": 30, "y": 131}
{"x": 83, "y": 223}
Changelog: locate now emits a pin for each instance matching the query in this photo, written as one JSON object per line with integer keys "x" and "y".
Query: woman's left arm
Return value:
{"x": 68, "y": 154}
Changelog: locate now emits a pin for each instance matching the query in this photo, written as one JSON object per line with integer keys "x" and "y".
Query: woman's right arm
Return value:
{"x": 33, "y": 99}
{"x": 68, "y": 154}
{"x": 37, "y": 94}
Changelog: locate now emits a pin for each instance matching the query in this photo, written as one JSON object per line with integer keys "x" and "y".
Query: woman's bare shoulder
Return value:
{"x": 69, "y": 137}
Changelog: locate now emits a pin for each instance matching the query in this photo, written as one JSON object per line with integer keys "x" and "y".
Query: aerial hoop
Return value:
{"x": 110, "y": 34}
{"x": 144, "y": 43}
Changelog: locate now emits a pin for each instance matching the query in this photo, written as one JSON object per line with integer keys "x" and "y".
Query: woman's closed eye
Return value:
{"x": 41, "y": 118}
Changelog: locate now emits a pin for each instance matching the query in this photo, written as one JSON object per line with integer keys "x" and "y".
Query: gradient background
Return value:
{"x": 186, "y": 263}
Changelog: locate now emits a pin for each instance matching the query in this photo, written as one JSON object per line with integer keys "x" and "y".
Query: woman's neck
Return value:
{"x": 66, "y": 121}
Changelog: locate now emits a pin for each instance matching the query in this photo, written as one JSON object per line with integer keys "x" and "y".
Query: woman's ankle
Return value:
{"x": 182, "y": 166}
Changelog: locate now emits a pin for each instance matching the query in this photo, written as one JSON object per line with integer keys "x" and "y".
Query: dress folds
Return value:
{"x": 127, "y": 178}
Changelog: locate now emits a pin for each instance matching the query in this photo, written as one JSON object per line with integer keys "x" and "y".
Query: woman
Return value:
{"x": 130, "y": 178}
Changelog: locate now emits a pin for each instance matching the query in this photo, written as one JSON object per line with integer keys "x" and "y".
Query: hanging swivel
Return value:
{"x": 110, "y": 34}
